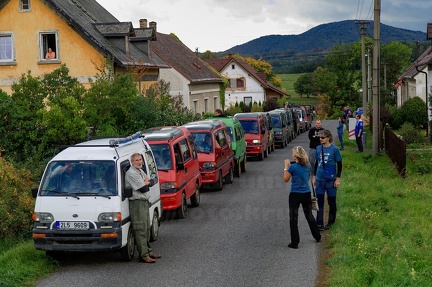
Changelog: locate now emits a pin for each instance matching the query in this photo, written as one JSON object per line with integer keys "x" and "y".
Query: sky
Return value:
{"x": 218, "y": 25}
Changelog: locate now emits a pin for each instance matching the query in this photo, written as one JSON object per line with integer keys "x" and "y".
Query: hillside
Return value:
{"x": 285, "y": 52}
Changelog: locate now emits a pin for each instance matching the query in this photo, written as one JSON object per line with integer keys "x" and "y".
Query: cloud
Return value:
{"x": 218, "y": 25}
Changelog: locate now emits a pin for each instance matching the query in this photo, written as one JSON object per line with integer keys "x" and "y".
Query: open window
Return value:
{"x": 49, "y": 46}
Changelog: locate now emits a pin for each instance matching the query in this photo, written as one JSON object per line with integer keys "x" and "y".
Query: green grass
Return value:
{"x": 21, "y": 264}
{"x": 288, "y": 81}
{"x": 382, "y": 233}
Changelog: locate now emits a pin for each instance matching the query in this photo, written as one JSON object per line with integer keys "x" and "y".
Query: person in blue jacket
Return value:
{"x": 300, "y": 193}
{"x": 359, "y": 133}
{"x": 340, "y": 132}
{"x": 326, "y": 177}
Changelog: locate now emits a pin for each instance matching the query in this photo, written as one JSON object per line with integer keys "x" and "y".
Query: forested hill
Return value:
{"x": 285, "y": 52}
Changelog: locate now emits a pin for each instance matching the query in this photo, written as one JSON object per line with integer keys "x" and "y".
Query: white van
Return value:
{"x": 82, "y": 203}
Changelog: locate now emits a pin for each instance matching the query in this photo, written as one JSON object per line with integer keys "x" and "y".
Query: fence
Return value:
{"x": 396, "y": 150}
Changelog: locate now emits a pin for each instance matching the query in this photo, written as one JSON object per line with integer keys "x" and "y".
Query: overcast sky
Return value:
{"x": 218, "y": 25}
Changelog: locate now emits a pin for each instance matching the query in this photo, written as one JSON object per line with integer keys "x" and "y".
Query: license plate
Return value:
{"x": 72, "y": 225}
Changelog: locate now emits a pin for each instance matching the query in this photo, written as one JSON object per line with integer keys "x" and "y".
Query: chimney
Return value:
{"x": 152, "y": 24}
{"x": 143, "y": 23}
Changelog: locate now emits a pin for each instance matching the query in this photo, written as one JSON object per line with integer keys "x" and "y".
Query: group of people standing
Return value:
{"x": 323, "y": 167}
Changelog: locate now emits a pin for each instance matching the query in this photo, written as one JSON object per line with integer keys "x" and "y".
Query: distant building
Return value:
{"x": 245, "y": 83}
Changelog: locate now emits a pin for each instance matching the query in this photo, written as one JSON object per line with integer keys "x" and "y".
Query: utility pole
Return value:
{"x": 376, "y": 78}
{"x": 363, "y": 59}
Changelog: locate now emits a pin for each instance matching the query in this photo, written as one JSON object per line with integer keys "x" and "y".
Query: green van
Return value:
{"x": 238, "y": 142}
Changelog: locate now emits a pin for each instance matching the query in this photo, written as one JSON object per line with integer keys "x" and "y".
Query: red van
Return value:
{"x": 256, "y": 133}
{"x": 178, "y": 167}
{"x": 216, "y": 158}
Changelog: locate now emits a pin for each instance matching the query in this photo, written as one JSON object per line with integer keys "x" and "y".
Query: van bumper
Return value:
{"x": 254, "y": 150}
{"x": 210, "y": 177}
{"x": 171, "y": 199}
{"x": 87, "y": 240}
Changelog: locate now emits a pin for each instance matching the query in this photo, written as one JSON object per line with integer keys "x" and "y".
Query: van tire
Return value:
{"x": 229, "y": 178}
{"x": 196, "y": 197}
{"x": 56, "y": 255}
{"x": 219, "y": 184}
{"x": 154, "y": 228}
{"x": 182, "y": 209}
{"x": 127, "y": 252}
{"x": 261, "y": 155}
{"x": 243, "y": 164}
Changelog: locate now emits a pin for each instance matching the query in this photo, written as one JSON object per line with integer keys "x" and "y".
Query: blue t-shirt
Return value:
{"x": 299, "y": 177}
{"x": 332, "y": 155}
{"x": 340, "y": 128}
{"x": 358, "y": 127}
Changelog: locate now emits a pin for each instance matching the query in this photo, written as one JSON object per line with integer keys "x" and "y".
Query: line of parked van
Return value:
{"x": 81, "y": 203}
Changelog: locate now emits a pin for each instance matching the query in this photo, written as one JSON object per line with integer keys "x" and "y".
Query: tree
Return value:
{"x": 303, "y": 85}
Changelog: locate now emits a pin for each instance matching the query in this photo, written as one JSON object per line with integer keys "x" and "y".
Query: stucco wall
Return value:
{"x": 78, "y": 55}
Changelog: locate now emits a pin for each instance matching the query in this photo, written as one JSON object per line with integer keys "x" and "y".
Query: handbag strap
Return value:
{"x": 313, "y": 188}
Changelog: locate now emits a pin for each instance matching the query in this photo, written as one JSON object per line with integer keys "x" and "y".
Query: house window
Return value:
{"x": 233, "y": 66}
{"x": 247, "y": 100}
{"x": 24, "y": 5}
{"x": 240, "y": 83}
{"x": 215, "y": 105}
{"x": 49, "y": 40}
{"x": 205, "y": 105}
{"x": 195, "y": 107}
{"x": 6, "y": 48}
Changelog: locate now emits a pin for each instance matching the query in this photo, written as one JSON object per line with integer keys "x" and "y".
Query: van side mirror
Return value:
{"x": 34, "y": 191}
{"x": 180, "y": 166}
{"x": 127, "y": 192}
{"x": 263, "y": 131}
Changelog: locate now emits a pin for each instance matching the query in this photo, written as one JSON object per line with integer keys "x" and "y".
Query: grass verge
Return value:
{"x": 21, "y": 265}
{"x": 382, "y": 233}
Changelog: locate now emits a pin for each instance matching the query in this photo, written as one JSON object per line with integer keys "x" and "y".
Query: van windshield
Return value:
{"x": 162, "y": 154}
{"x": 203, "y": 142}
{"x": 79, "y": 178}
{"x": 249, "y": 126}
{"x": 276, "y": 122}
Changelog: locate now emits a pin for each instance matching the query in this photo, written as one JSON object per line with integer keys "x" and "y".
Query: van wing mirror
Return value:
{"x": 180, "y": 166}
{"x": 34, "y": 191}
{"x": 127, "y": 192}
{"x": 263, "y": 131}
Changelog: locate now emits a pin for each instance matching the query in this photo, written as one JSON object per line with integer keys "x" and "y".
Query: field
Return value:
{"x": 288, "y": 81}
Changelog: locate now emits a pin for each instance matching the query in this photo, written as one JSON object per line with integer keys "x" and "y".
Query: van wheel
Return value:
{"x": 238, "y": 169}
{"x": 196, "y": 197}
{"x": 127, "y": 252}
{"x": 154, "y": 228}
{"x": 243, "y": 164}
{"x": 266, "y": 152}
{"x": 56, "y": 255}
{"x": 229, "y": 178}
{"x": 182, "y": 210}
{"x": 219, "y": 184}
{"x": 261, "y": 156}
{"x": 273, "y": 146}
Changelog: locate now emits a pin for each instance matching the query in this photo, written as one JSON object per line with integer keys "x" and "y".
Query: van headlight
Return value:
{"x": 109, "y": 217}
{"x": 209, "y": 164}
{"x": 168, "y": 185}
{"x": 43, "y": 217}
{"x": 256, "y": 141}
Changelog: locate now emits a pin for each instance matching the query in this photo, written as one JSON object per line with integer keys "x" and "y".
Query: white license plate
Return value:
{"x": 72, "y": 225}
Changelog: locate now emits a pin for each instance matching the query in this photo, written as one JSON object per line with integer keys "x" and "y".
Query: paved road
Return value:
{"x": 236, "y": 237}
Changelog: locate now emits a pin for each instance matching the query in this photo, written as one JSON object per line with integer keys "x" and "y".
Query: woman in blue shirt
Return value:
{"x": 300, "y": 194}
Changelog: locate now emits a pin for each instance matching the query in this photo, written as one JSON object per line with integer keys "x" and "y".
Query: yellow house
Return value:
{"x": 41, "y": 35}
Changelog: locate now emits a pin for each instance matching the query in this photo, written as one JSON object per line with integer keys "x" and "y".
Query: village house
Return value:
{"x": 245, "y": 83}
{"x": 190, "y": 77}
{"x": 39, "y": 36}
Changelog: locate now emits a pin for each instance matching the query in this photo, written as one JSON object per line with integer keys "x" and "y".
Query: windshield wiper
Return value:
{"x": 95, "y": 194}
{"x": 46, "y": 191}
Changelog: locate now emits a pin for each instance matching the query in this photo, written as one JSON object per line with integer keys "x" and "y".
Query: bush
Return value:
{"x": 414, "y": 111}
{"x": 410, "y": 134}
{"x": 16, "y": 203}
{"x": 397, "y": 119}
